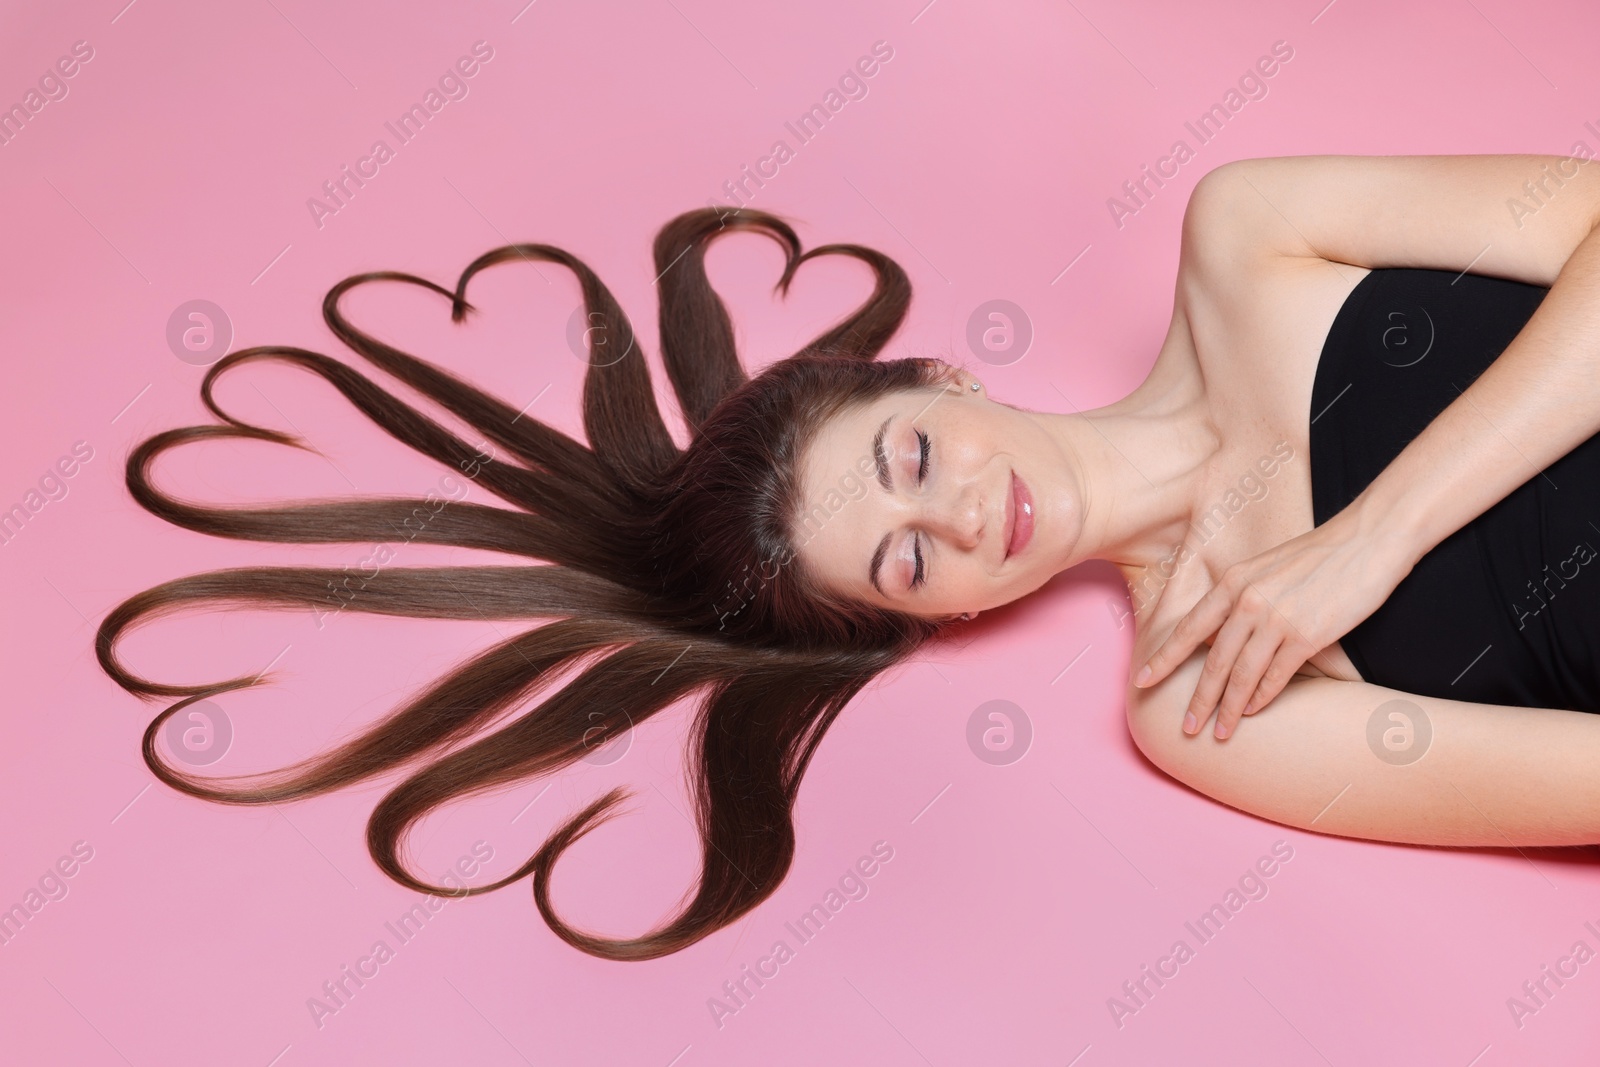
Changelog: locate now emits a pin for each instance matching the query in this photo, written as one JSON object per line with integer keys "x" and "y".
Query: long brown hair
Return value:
{"x": 672, "y": 570}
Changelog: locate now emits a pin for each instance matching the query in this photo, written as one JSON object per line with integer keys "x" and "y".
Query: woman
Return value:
{"x": 740, "y": 569}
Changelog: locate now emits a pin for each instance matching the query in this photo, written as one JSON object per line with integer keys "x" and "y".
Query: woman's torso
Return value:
{"x": 1322, "y": 374}
{"x": 1252, "y": 358}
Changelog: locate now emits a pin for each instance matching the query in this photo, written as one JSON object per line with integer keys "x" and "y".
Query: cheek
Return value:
{"x": 996, "y": 435}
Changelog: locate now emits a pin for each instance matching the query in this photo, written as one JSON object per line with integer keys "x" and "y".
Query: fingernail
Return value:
{"x": 1189, "y": 723}
{"x": 1248, "y": 708}
{"x": 1222, "y": 731}
{"x": 1144, "y": 675}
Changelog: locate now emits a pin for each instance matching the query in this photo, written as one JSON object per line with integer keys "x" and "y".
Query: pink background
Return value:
{"x": 1019, "y": 898}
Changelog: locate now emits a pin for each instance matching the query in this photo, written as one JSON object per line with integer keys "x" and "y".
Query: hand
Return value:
{"x": 1277, "y": 610}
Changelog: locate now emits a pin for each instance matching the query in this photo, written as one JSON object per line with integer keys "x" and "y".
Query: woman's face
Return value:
{"x": 939, "y": 527}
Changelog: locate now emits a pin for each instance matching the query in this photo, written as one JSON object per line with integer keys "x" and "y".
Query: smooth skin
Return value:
{"x": 1121, "y": 482}
{"x": 1115, "y": 483}
{"x": 1539, "y": 399}
{"x": 1488, "y": 775}
{"x": 1233, "y": 376}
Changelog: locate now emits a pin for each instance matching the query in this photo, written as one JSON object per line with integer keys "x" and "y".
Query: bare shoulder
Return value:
{"x": 1361, "y": 760}
{"x": 1257, "y": 316}
{"x": 1228, "y": 270}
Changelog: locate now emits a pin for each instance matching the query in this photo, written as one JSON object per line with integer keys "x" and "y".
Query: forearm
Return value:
{"x": 1534, "y": 403}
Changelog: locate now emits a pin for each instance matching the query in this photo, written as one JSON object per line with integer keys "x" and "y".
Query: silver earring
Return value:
{"x": 976, "y": 387}
{"x": 965, "y": 617}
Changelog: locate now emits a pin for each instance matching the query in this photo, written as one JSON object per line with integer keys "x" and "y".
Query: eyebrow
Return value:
{"x": 882, "y": 462}
{"x": 881, "y": 458}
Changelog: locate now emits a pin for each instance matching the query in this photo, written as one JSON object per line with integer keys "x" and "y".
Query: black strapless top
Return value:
{"x": 1505, "y": 610}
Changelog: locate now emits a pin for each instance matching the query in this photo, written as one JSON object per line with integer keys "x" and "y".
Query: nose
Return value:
{"x": 957, "y": 515}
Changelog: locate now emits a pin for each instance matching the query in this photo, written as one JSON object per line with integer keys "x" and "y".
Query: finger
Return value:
{"x": 1214, "y": 675}
{"x": 1201, "y": 622}
{"x": 1291, "y": 655}
{"x": 1245, "y": 678}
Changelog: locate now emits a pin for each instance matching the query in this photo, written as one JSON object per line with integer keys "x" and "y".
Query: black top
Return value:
{"x": 1505, "y": 610}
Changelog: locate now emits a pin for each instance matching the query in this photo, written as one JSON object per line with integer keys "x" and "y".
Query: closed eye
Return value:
{"x": 886, "y": 480}
{"x": 920, "y": 576}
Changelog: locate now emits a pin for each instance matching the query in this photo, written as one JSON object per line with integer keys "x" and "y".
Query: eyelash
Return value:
{"x": 918, "y": 578}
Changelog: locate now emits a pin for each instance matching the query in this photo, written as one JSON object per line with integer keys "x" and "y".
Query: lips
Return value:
{"x": 1019, "y": 517}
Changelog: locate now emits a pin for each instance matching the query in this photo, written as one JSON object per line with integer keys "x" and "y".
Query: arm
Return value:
{"x": 1489, "y": 775}
{"x": 1537, "y": 400}
{"x": 1541, "y": 397}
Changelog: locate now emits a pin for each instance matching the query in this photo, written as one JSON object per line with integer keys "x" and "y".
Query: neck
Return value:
{"x": 1140, "y": 468}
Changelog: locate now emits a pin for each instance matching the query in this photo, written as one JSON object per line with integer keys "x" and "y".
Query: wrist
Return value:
{"x": 1395, "y": 535}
